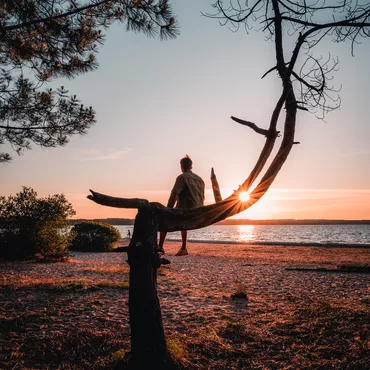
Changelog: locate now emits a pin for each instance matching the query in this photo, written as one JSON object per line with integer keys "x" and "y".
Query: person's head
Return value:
{"x": 186, "y": 164}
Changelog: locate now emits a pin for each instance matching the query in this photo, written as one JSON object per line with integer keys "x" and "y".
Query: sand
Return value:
{"x": 75, "y": 315}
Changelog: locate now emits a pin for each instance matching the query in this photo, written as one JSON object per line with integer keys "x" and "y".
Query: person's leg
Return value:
{"x": 162, "y": 238}
{"x": 183, "y": 251}
{"x": 184, "y": 237}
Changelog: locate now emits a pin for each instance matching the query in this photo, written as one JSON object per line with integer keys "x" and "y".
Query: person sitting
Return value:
{"x": 188, "y": 192}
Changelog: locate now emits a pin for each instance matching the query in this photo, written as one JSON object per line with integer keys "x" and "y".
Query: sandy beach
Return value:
{"x": 224, "y": 307}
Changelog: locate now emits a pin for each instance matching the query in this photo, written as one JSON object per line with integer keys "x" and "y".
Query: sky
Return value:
{"x": 157, "y": 101}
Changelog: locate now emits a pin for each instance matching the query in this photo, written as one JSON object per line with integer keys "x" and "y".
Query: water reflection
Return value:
{"x": 247, "y": 233}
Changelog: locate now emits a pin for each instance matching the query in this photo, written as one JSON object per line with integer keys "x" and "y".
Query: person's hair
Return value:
{"x": 186, "y": 163}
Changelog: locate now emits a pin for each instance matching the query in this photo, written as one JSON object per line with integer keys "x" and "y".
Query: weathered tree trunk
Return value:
{"x": 148, "y": 343}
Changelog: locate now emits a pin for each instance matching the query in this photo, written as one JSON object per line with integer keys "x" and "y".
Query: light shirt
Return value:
{"x": 188, "y": 191}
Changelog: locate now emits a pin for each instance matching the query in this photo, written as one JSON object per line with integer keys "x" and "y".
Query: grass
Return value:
{"x": 77, "y": 317}
{"x": 66, "y": 284}
{"x": 109, "y": 284}
{"x": 240, "y": 292}
{"x": 313, "y": 337}
{"x": 176, "y": 349}
{"x": 104, "y": 270}
{"x": 118, "y": 356}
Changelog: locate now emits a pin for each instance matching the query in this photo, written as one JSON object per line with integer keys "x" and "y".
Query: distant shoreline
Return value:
{"x": 124, "y": 241}
{"x": 277, "y": 244}
{"x": 127, "y": 221}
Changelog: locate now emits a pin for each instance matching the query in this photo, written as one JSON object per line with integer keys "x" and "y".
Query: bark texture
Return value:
{"x": 148, "y": 343}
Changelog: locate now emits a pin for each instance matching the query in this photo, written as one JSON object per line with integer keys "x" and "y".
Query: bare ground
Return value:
{"x": 223, "y": 306}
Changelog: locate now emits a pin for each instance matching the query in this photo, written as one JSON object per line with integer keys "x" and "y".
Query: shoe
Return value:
{"x": 164, "y": 261}
{"x": 182, "y": 252}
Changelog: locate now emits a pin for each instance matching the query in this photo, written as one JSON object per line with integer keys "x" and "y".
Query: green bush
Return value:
{"x": 92, "y": 236}
{"x": 34, "y": 227}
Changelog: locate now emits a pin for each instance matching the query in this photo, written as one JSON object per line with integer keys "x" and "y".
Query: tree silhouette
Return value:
{"x": 42, "y": 40}
{"x": 307, "y": 75}
{"x": 306, "y": 23}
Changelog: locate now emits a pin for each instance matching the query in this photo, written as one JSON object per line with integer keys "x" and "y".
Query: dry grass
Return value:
{"x": 232, "y": 307}
{"x": 240, "y": 292}
{"x": 104, "y": 270}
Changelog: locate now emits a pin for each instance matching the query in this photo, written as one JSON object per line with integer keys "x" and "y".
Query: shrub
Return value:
{"x": 34, "y": 227}
{"x": 92, "y": 236}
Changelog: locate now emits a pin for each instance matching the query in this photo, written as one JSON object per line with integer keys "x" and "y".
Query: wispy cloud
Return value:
{"x": 97, "y": 155}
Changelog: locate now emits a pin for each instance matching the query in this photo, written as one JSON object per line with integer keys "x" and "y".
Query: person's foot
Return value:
{"x": 182, "y": 252}
{"x": 164, "y": 261}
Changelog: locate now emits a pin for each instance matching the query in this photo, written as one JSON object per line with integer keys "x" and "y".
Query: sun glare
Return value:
{"x": 244, "y": 196}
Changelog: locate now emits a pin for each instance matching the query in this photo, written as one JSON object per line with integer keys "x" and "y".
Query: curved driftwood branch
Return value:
{"x": 186, "y": 219}
{"x": 269, "y": 144}
{"x": 174, "y": 219}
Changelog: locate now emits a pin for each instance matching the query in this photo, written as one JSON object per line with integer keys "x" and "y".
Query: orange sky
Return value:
{"x": 276, "y": 204}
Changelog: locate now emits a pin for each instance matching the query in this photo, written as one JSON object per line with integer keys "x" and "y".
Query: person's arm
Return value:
{"x": 177, "y": 188}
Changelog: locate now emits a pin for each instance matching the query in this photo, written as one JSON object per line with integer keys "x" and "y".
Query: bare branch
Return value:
{"x": 239, "y": 18}
{"x": 269, "y": 144}
{"x": 215, "y": 187}
{"x": 109, "y": 201}
{"x": 312, "y": 87}
{"x": 251, "y": 125}
{"x": 269, "y": 71}
{"x": 280, "y": 62}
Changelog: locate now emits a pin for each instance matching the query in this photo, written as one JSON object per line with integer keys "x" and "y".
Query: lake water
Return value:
{"x": 351, "y": 235}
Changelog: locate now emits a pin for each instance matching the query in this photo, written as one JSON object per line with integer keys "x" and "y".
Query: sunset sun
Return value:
{"x": 244, "y": 196}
